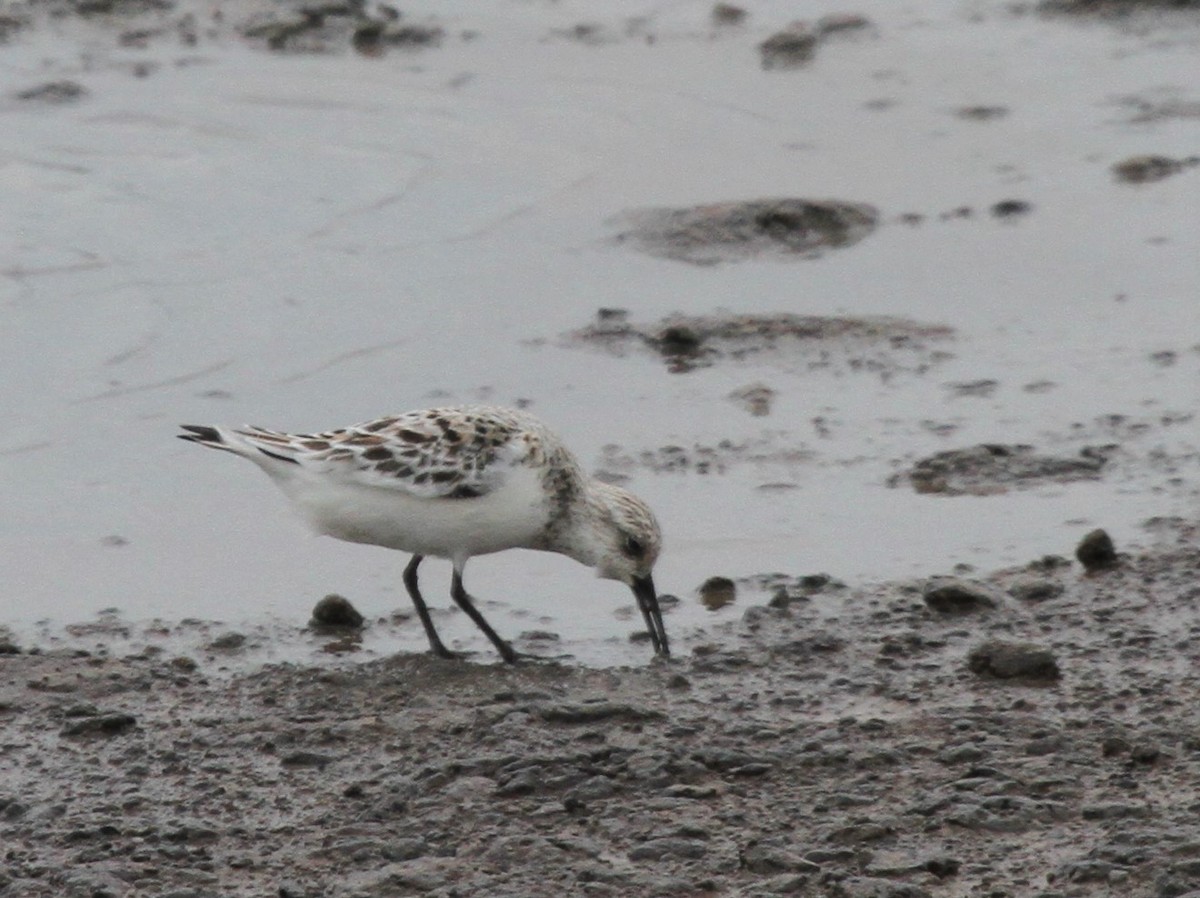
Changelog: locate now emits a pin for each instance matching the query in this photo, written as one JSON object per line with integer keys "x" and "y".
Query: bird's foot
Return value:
{"x": 442, "y": 652}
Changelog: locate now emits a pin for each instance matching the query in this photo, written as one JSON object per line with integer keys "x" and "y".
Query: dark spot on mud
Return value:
{"x": 1117, "y": 9}
{"x": 307, "y": 759}
{"x": 991, "y": 468}
{"x": 1011, "y": 208}
{"x": 1147, "y": 169}
{"x": 679, "y": 344}
{"x": 119, "y": 7}
{"x": 838, "y": 23}
{"x": 616, "y": 463}
{"x": 790, "y": 48}
{"x": 687, "y": 342}
{"x": 981, "y": 113}
{"x": 977, "y": 388}
{"x": 794, "y": 46}
{"x": 335, "y": 611}
{"x": 726, "y": 14}
{"x": 322, "y": 28}
{"x": 54, "y": 93}
{"x": 755, "y": 398}
{"x": 735, "y": 231}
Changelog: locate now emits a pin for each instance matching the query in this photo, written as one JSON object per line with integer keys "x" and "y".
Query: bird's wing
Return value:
{"x": 437, "y": 453}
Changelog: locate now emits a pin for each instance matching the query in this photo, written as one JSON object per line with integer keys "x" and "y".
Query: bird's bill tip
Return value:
{"x": 647, "y": 601}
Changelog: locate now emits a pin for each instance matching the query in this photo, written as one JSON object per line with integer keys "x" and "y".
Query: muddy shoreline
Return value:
{"x": 837, "y": 741}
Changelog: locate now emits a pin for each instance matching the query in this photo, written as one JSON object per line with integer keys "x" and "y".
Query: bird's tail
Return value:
{"x": 205, "y": 436}
{"x": 248, "y": 442}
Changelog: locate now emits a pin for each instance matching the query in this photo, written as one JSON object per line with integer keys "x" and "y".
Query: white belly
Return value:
{"x": 511, "y": 516}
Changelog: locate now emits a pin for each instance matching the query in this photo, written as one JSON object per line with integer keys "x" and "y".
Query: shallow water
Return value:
{"x": 308, "y": 241}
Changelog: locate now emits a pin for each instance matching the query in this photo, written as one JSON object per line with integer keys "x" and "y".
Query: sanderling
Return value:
{"x": 453, "y": 483}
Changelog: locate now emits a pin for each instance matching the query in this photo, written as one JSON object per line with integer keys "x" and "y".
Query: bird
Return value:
{"x": 453, "y": 483}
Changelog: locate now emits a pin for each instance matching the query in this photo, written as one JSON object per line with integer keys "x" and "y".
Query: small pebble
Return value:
{"x": 952, "y": 595}
{"x": 717, "y": 592}
{"x": 1008, "y": 660}
{"x": 1096, "y": 551}
{"x": 335, "y": 611}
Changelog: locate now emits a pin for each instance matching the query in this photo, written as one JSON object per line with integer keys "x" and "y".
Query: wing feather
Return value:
{"x": 433, "y": 454}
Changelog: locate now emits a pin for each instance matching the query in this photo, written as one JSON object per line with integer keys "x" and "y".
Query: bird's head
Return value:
{"x": 623, "y": 541}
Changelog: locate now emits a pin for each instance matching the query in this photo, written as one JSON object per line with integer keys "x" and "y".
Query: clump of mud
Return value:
{"x": 54, "y": 93}
{"x": 1147, "y": 169}
{"x": 1113, "y": 8}
{"x": 795, "y": 45}
{"x": 992, "y": 468}
{"x": 324, "y": 27}
{"x": 727, "y": 14}
{"x": 290, "y": 26}
{"x": 736, "y": 231}
{"x": 686, "y": 342}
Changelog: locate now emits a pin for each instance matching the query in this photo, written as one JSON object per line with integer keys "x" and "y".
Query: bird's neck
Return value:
{"x": 576, "y": 533}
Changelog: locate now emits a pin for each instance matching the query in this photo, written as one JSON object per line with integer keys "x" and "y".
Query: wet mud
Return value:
{"x": 835, "y": 742}
{"x": 996, "y": 468}
{"x": 688, "y": 342}
{"x": 735, "y": 231}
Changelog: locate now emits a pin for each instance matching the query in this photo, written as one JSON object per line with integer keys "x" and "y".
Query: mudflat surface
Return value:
{"x": 836, "y": 742}
{"x": 875, "y": 293}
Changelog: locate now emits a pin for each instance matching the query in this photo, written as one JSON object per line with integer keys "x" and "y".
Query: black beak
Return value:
{"x": 647, "y": 602}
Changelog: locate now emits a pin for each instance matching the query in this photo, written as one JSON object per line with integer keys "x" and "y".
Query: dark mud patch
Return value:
{"x": 1115, "y": 8}
{"x": 727, "y": 15}
{"x": 993, "y": 468}
{"x": 1143, "y": 110}
{"x": 1006, "y": 210}
{"x": 796, "y": 45}
{"x": 1147, "y": 169}
{"x": 618, "y": 464}
{"x": 820, "y": 747}
{"x": 53, "y": 93}
{"x": 686, "y": 342}
{"x": 736, "y": 231}
{"x": 329, "y": 27}
{"x": 1160, "y": 447}
{"x": 291, "y": 26}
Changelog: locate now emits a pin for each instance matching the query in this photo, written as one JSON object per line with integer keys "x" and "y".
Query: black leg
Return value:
{"x": 410, "y": 583}
{"x": 464, "y": 602}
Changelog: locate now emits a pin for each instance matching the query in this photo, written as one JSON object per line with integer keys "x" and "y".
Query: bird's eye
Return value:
{"x": 633, "y": 547}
